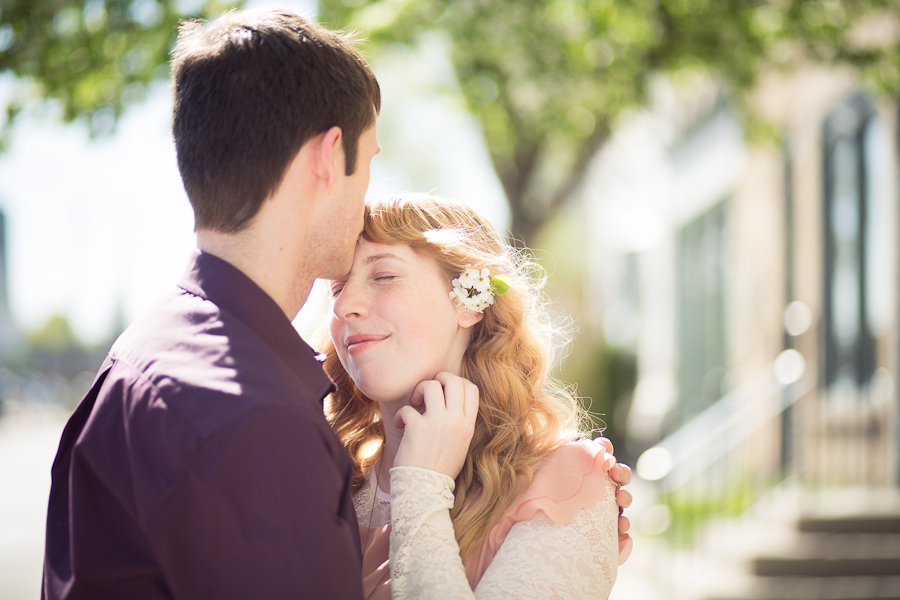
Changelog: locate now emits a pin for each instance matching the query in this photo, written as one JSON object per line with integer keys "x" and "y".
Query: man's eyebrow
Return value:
{"x": 375, "y": 257}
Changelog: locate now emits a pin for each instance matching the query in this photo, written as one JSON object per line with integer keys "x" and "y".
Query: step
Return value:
{"x": 827, "y": 588}
{"x": 833, "y": 555}
{"x": 841, "y": 545}
{"x": 826, "y": 567}
{"x": 874, "y": 524}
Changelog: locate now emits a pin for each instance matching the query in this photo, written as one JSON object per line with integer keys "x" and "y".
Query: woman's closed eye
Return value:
{"x": 338, "y": 287}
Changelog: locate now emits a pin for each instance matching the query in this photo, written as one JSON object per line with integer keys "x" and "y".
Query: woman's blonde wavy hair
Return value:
{"x": 523, "y": 412}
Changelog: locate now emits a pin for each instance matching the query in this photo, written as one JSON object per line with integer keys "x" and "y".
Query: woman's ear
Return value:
{"x": 467, "y": 318}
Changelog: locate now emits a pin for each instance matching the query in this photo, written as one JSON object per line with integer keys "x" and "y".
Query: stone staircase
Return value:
{"x": 845, "y": 557}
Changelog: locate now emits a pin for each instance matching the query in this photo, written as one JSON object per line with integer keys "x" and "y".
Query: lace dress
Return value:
{"x": 558, "y": 541}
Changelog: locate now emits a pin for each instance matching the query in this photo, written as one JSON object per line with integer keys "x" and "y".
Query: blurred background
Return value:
{"x": 713, "y": 188}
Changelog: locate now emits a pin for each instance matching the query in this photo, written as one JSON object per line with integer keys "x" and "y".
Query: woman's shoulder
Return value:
{"x": 577, "y": 458}
{"x": 571, "y": 478}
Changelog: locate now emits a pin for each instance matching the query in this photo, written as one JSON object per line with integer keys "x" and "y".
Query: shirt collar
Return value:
{"x": 223, "y": 284}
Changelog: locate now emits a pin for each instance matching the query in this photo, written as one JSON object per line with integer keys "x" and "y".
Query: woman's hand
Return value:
{"x": 438, "y": 438}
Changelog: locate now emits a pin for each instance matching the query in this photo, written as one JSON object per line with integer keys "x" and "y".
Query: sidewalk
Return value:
{"x": 28, "y": 441}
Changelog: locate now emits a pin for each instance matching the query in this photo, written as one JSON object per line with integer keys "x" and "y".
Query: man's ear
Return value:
{"x": 328, "y": 155}
{"x": 467, "y": 318}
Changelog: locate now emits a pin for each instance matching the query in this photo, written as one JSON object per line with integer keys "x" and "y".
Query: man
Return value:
{"x": 200, "y": 465}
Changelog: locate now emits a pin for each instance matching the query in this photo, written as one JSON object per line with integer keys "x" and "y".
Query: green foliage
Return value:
{"x": 95, "y": 57}
{"x": 56, "y": 334}
{"x": 691, "y": 511}
{"x": 548, "y": 78}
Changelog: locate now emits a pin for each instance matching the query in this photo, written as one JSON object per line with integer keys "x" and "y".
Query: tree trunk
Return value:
{"x": 526, "y": 223}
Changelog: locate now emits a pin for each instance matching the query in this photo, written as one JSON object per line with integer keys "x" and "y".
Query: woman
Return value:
{"x": 534, "y": 511}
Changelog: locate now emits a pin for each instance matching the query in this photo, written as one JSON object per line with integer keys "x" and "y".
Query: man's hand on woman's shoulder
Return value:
{"x": 621, "y": 475}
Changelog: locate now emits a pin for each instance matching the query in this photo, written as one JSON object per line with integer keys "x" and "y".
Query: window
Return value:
{"x": 856, "y": 244}
{"x": 702, "y": 286}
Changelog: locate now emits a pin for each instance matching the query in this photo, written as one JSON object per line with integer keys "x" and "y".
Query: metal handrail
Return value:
{"x": 691, "y": 449}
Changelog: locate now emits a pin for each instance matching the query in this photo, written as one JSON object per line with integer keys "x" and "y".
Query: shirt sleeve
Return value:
{"x": 260, "y": 510}
{"x": 538, "y": 558}
{"x": 424, "y": 555}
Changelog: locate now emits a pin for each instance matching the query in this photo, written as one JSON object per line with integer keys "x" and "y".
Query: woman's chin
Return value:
{"x": 387, "y": 397}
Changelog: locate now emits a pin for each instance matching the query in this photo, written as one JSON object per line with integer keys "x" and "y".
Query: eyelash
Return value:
{"x": 336, "y": 291}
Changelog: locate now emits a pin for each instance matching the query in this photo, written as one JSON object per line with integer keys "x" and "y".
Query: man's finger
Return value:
{"x": 605, "y": 442}
{"x": 621, "y": 474}
{"x": 625, "y": 545}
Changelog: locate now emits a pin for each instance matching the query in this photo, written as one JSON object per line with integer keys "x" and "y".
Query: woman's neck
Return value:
{"x": 392, "y": 437}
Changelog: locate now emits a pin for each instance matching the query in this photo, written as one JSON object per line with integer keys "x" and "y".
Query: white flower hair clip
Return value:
{"x": 475, "y": 289}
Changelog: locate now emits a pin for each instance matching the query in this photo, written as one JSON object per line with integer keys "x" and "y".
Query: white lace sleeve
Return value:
{"x": 425, "y": 560}
{"x": 542, "y": 560}
{"x": 538, "y": 558}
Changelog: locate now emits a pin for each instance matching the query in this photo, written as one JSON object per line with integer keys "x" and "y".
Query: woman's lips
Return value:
{"x": 360, "y": 342}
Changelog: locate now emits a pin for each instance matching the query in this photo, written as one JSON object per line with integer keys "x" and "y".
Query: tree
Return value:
{"x": 56, "y": 334}
{"x": 547, "y": 79}
{"x": 95, "y": 57}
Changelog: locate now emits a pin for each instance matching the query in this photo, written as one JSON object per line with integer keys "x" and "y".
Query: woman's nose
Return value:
{"x": 350, "y": 303}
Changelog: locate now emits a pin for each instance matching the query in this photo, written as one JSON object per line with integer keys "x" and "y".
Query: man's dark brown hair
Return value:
{"x": 251, "y": 87}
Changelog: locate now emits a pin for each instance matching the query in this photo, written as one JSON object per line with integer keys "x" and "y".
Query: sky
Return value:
{"x": 100, "y": 227}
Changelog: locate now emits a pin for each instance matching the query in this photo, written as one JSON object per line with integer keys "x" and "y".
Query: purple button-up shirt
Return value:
{"x": 200, "y": 464}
